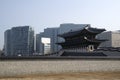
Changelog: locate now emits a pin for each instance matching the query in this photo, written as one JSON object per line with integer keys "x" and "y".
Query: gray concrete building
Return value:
{"x": 52, "y": 33}
{"x": 113, "y": 39}
{"x": 19, "y": 41}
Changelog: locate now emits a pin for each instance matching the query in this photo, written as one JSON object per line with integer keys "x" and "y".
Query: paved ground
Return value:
{"x": 70, "y": 76}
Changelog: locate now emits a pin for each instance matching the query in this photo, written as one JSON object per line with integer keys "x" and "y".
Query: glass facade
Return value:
{"x": 22, "y": 41}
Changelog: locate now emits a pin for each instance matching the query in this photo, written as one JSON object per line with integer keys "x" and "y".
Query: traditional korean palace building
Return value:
{"x": 82, "y": 40}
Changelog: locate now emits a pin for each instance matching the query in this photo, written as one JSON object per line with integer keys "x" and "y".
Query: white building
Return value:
{"x": 46, "y": 44}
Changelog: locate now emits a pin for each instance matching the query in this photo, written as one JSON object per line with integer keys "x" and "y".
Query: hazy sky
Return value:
{"x": 51, "y": 13}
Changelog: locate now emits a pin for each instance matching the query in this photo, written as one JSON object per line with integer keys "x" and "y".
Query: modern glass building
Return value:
{"x": 21, "y": 41}
{"x": 7, "y": 42}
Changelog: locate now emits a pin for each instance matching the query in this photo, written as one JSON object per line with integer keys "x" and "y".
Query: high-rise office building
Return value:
{"x": 19, "y": 41}
{"x": 52, "y": 33}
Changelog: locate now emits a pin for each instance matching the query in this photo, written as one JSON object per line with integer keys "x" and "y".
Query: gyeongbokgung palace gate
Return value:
{"x": 83, "y": 40}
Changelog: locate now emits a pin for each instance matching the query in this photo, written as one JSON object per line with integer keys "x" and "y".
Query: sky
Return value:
{"x": 41, "y": 14}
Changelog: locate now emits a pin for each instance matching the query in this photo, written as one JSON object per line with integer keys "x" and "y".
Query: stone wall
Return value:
{"x": 26, "y": 67}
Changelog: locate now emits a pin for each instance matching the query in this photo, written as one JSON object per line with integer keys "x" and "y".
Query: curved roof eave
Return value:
{"x": 94, "y": 30}
{"x": 89, "y": 29}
